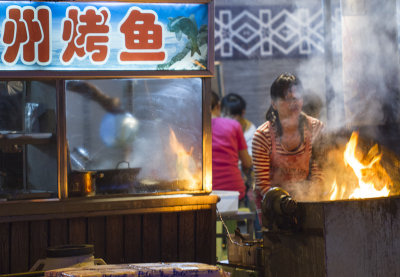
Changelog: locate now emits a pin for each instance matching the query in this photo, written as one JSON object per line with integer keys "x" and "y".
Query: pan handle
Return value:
{"x": 121, "y": 162}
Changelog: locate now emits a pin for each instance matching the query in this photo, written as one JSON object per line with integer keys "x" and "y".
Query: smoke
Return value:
{"x": 168, "y": 105}
{"x": 363, "y": 72}
{"x": 357, "y": 80}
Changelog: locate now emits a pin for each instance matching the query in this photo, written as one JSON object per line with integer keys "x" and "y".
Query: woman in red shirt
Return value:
{"x": 228, "y": 147}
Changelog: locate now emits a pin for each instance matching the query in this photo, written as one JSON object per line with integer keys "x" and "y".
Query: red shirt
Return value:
{"x": 227, "y": 141}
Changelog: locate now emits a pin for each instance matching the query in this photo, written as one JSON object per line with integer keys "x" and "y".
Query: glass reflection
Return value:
{"x": 139, "y": 136}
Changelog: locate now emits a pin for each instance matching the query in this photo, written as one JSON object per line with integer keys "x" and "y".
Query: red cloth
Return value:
{"x": 227, "y": 141}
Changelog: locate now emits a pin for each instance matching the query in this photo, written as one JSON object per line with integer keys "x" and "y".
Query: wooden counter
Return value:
{"x": 122, "y": 229}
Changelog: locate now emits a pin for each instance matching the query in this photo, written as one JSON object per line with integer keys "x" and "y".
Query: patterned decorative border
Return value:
{"x": 258, "y": 32}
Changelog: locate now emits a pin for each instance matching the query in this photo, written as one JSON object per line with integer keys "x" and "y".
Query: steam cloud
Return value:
{"x": 363, "y": 72}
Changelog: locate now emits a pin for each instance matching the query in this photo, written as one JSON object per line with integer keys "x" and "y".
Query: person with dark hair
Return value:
{"x": 228, "y": 147}
{"x": 283, "y": 145}
{"x": 234, "y": 106}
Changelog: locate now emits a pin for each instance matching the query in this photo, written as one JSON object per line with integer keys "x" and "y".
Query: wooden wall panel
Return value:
{"x": 186, "y": 243}
{"x": 19, "y": 253}
{"x": 169, "y": 237}
{"x": 205, "y": 235}
{"x": 97, "y": 235}
{"x": 4, "y": 248}
{"x": 186, "y": 236}
{"x": 38, "y": 241}
{"x": 151, "y": 238}
{"x": 114, "y": 240}
{"x": 58, "y": 232}
{"x": 77, "y": 230}
{"x": 133, "y": 238}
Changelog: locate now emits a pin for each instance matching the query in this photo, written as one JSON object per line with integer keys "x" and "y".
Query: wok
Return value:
{"x": 117, "y": 180}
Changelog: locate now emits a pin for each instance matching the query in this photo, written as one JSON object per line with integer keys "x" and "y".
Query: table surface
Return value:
{"x": 249, "y": 267}
{"x": 239, "y": 215}
{"x": 249, "y": 217}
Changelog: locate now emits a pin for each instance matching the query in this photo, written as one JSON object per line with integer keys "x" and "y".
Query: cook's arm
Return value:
{"x": 110, "y": 104}
{"x": 318, "y": 154}
{"x": 316, "y": 175}
{"x": 245, "y": 158}
{"x": 261, "y": 161}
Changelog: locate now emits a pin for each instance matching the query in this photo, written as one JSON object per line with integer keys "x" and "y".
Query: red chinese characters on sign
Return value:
{"x": 86, "y": 34}
{"x": 143, "y": 37}
{"x": 26, "y": 35}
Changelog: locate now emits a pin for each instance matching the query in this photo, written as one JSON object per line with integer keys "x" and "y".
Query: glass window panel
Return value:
{"x": 136, "y": 136}
{"x": 28, "y": 149}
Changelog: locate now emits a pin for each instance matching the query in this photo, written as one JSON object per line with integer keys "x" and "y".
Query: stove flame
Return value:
{"x": 373, "y": 180}
{"x": 185, "y": 165}
{"x": 335, "y": 192}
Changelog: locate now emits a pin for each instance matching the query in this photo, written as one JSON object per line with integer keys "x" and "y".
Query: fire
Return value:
{"x": 373, "y": 180}
{"x": 184, "y": 162}
{"x": 335, "y": 192}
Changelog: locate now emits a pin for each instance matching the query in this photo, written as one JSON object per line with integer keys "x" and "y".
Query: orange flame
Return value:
{"x": 373, "y": 181}
{"x": 184, "y": 163}
{"x": 335, "y": 192}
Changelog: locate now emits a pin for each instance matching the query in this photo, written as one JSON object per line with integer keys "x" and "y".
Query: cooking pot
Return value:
{"x": 71, "y": 255}
{"x": 118, "y": 180}
{"x": 83, "y": 183}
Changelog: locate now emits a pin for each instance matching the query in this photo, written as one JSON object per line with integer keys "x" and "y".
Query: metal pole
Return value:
{"x": 62, "y": 141}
